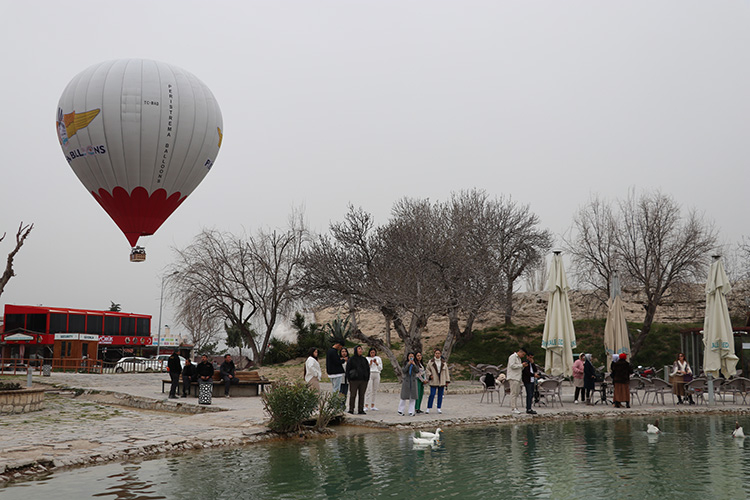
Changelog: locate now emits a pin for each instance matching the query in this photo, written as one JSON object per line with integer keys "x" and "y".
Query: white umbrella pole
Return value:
{"x": 710, "y": 379}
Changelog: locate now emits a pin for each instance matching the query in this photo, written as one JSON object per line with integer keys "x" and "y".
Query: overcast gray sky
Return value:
{"x": 327, "y": 103}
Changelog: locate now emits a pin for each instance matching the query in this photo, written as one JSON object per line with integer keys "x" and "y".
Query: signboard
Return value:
{"x": 169, "y": 342}
{"x": 745, "y": 345}
{"x": 66, "y": 336}
{"x": 89, "y": 337}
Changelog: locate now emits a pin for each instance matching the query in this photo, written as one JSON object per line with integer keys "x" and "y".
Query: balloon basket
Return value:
{"x": 138, "y": 254}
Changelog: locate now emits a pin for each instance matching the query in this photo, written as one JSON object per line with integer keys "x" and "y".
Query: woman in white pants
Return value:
{"x": 376, "y": 366}
{"x": 409, "y": 386}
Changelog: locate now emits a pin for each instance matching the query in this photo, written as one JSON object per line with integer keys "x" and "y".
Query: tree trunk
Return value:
{"x": 455, "y": 333}
{"x": 647, "y": 321}
{"x": 509, "y": 303}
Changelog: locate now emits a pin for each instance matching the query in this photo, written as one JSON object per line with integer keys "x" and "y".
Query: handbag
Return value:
{"x": 687, "y": 377}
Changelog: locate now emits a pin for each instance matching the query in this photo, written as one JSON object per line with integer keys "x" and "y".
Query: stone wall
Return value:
{"x": 21, "y": 401}
{"x": 686, "y": 305}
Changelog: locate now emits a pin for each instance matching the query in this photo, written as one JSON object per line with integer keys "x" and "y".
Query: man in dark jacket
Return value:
{"x": 189, "y": 375}
{"x": 227, "y": 372}
{"x": 358, "y": 373}
{"x": 174, "y": 365}
{"x": 205, "y": 369}
{"x": 335, "y": 367}
{"x": 529, "y": 376}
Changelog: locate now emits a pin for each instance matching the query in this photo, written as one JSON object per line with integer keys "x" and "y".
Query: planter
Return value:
{"x": 21, "y": 401}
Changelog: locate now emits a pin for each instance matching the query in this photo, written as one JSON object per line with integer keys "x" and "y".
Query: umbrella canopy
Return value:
{"x": 616, "y": 338}
{"x": 718, "y": 339}
{"x": 559, "y": 338}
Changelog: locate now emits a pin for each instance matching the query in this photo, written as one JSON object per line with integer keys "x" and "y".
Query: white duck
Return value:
{"x": 738, "y": 432}
{"x": 430, "y": 435}
{"x": 653, "y": 428}
{"x": 425, "y": 442}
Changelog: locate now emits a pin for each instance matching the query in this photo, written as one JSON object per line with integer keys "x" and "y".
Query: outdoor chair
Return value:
{"x": 736, "y": 386}
{"x": 475, "y": 372}
{"x": 489, "y": 390}
{"x": 697, "y": 388}
{"x": 549, "y": 389}
{"x": 660, "y": 387}
{"x": 636, "y": 384}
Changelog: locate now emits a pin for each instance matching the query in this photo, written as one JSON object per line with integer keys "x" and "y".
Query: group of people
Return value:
{"x": 202, "y": 372}
{"x": 416, "y": 375}
{"x": 522, "y": 372}
{"x": 358, "y": 377}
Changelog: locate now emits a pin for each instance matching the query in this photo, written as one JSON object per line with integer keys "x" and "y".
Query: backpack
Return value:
{"x": 489, "y": 380}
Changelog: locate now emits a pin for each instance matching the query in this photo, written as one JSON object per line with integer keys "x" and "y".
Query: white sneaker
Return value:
{"x": 411, "y": 414}
{"x": 373, "y": 408}
{"x": 575, "y": 401}
{"x": 516, "y": 411}
{"x": 440, "y": 411}
{"x": 427, "y": 410}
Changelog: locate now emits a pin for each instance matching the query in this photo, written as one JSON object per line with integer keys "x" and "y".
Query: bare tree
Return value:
{"x": 21, "y": 235}
{"x": 215, "y": 271}
{"x": 648, "y": 240}
{"x": 202, "y": 325}
{"x": 593, "y": 247}
{"x": 236, "y": 279}
{"x": 276, "y": 258}
{"x": 659, "y": 249}
{"x": 536, "y": 277}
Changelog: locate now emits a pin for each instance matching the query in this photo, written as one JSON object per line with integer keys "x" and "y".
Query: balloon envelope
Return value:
{"x": 140, "y": 135}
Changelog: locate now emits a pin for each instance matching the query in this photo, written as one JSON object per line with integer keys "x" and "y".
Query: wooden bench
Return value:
{"x": 251, "y": 383}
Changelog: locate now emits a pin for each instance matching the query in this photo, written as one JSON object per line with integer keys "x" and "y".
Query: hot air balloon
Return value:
{"x": 140, "y": 135}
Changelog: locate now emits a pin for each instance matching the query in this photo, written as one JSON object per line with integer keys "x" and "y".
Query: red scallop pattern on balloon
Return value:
{"x": 138, "y": 214}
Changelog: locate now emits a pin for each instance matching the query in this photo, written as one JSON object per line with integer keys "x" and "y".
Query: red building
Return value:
{"x": 30, "y": 332}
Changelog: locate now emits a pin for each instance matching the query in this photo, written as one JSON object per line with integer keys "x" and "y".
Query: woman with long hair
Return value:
{"x": 376, "y": 366}
{"x": 313, "y": 373}
{"x": 680, "y": 372}
{"x": 421, "y": 380}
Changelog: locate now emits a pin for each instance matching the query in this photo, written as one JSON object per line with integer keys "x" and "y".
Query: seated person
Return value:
{"x": 227, "y": 372}
{"x": 189, "y": 375}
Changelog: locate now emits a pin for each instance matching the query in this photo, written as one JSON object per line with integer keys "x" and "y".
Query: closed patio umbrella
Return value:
{"x": 616, "y": 338}
{"x": 559, "y": 338}
{"x": 718, "y": 337}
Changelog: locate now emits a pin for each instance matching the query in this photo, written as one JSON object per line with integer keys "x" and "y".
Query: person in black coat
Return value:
{"x": 174, "y": 365}
{"x": 205, "y": 370}
{"x": 358, "y": 373}
{"x": 334, "y": 368}
{"x": 189, "y": 375}
{"x": 228, "y": 373}
{"x": 589, "y": 378}
{"x": 529, "y": 376}
{"x": 621, "y": 371}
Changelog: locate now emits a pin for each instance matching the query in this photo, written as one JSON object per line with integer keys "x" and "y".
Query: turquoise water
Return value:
{"x": 694, "y": 457}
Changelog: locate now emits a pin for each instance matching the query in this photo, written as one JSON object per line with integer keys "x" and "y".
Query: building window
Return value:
{"x": 94, "y": 324}
{"x": 58, "y": 323}
{"x": 77, "y": 323}
{"x": 36, "y": 323}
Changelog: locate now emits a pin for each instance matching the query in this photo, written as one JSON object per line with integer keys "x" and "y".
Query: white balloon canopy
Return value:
{"x": 140, "y": 135}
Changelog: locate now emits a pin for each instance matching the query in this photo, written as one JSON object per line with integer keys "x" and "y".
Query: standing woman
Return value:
{"x": 621, "y": 371}
{"x": 589, "y": 378}
{"x": 358, "y": 372}
{"x": 578, "y": 378}
{"x": 376, "y": 366}
{"x": 409, "y": 385}
{"x": 421, "y": 381}
{"x": 680, "y": 372}
{"x": 437, "y": 373}
{"x": 313, "y": 373}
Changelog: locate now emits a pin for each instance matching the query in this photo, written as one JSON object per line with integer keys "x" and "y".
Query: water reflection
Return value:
{"x": 694, "y": 457}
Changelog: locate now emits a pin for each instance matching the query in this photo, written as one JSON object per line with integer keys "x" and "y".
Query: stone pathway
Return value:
{"x": 113, "y": 417}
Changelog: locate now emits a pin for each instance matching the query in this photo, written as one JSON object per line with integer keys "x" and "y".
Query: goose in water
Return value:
{"x": 653, "y": 428}
{"x": 738, "y": 432}
{"x": 425, "y": 442}
{"x": 430, "y": 435}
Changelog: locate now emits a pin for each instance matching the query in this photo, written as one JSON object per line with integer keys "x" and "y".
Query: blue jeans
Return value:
{"x": 529, "y": 394}
{"x": 336, "y": 383}
{"x": 439, "y": 391}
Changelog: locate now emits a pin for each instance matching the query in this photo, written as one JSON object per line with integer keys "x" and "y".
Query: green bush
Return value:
{"x": 280, "y": 351}
{"x": 330, "y": 406}
{"x": 289, "y": 405}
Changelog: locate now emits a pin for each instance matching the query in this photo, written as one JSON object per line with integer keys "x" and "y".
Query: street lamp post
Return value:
{"x": 161, "y": 304}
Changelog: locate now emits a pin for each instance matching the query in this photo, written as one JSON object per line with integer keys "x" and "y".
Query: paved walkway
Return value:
{"x": 98, "y": 421}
